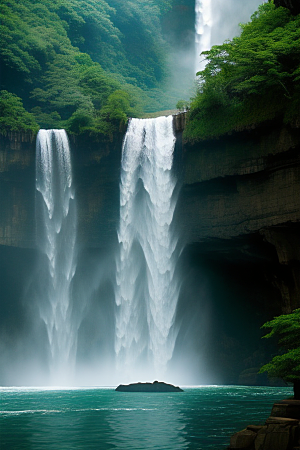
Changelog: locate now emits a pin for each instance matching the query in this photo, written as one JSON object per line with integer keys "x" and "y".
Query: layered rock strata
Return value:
{"x": 245, "y": 185}
{"x": 238, "y": 214}
{"x": 281, "y": 430}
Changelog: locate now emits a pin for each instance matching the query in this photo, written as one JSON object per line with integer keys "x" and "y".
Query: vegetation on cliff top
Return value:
{"x": 286, "y": 365}
{"x": 253, "y": 78}
{"x": 88, "y": 65}
{"x": 83, "y": 65}
{"x": 13, "y": 116}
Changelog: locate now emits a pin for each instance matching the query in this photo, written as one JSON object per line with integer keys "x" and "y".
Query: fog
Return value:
{"x": 24, "y": 358}
{"x": 184, "y": 57}
{"x": 227, "y": 15}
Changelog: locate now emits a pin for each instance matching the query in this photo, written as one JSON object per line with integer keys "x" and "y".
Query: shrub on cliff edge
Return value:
{"x": 286, "y": 365}
{"x": 13, "y": 116}
{"x": 253, "y": 78}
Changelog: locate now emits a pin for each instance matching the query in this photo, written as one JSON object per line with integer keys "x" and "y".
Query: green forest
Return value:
{"x": 82, "y": 65}
{"x": 87, "y": 66}
{"x": 252, "y": 79}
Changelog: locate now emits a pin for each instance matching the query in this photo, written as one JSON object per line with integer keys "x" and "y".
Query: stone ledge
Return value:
{"x": 287, "y": 408}
{"x": 278, "y": 433}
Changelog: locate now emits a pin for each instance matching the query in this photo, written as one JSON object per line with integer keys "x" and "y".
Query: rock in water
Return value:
{"x": 156, "y": 386}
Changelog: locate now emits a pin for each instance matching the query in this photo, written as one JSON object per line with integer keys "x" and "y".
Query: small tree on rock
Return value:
{"x": 286, "y": 365}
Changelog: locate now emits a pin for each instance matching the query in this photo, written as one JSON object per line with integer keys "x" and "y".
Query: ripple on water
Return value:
{"x": 198, "y": 419}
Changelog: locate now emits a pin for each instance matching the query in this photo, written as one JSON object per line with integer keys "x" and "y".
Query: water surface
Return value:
{"x": 99, "y": 418}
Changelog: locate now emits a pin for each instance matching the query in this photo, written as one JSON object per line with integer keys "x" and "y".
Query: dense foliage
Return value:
{"x": 251, "y": 79}
{"x": 13, "y": 116}
{"x": 82, "y": 64}
{"x": 286, "y": 365}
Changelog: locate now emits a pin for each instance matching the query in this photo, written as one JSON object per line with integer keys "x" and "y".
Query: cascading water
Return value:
{"x": 203, "y": 24}
{"x": 146, "y": 289}
{"x": 56, "y": 231}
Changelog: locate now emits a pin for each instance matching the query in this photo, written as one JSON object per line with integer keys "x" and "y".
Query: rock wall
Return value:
{"x": 96, "y": 169}
{"x": 238, "y": 214}
{"x": 281, "y": 430}
{"x": 242, "y": 184}
{"x": 239, "y": 211}
{"x": 17, "y": 187}
{"x": 239, "y": 198}
{"x": 247, "y": 185}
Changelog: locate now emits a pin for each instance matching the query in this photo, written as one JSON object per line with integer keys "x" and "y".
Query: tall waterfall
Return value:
{"x": 56, "y": 230}
{"x": 146, "y": 289}
{"x": 203, "y": 24}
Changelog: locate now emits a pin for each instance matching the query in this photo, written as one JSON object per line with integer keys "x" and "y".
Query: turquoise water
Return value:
{"x": 99, "y": 418}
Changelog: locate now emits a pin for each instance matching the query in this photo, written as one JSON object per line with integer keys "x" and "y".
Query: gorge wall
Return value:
{"x": 240, "y": 214}
{"x": 239, "y": 217}
{"x": 241, "y": 196}
{"x": 96, "y": 168}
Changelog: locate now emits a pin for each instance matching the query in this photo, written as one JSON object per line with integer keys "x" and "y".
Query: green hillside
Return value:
{"x": 83, "y": 65}
{"x": 251, "y": 79}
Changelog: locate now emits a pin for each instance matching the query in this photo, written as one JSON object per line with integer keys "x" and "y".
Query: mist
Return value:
{"x": 184, "y": 60}
{"x": 24, "y": 360}
{"x": 228, "y": 15}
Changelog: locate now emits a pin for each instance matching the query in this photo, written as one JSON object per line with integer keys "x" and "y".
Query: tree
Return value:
{"x": 286, "y": 365}
{"x": 13, "y": 116}
{"x": 60, "y": 89}
{"x": 252, "y": 78}
{"x": 293, "y": 5}
{"x": 95, "y": 82}
{"x": 64, "y": 59}
{"x": 113, "y": 116}
{"x": 182, "y": 105}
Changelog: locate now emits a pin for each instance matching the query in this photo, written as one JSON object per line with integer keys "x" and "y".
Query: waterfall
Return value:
{"x": 56, "y": 231}
{"x": 203, "y": 23}
{"x": 146, "y": 289}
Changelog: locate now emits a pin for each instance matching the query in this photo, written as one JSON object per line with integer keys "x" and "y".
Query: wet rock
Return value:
{"x": 243, "y": 440}
{"x": 255, "y": 428}
{"x": 278, "y": 433}
{"x": 156, "y": 386}
{"x": 260, "y": 438}
{"x": 287, "y": 408}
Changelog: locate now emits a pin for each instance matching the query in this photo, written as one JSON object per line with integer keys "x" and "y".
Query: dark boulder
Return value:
{"x": 156, "y": 386}
{"x": 280, "y": 432}
{"x": 289, "y": 408}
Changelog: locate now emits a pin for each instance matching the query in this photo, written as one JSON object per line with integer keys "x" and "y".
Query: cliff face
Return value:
{"x": 17, "y": 187}
{"x": 239, "y": 216}
{"x": 239, "y": 200}
{"x": 247, "y": 185}
{"x": 242, "y": 184}
{"x": 96, "y": 170}
{"x": 239, "y": 210}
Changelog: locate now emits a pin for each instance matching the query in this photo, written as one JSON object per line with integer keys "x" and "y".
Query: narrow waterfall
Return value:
{"x": 203, "y": 23}
{"x": 146, "y": 289}
{"x": 56, "y": 231}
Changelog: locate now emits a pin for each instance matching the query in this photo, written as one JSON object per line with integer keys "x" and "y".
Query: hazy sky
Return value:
{"x": 227, "y": 14}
